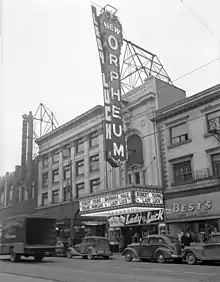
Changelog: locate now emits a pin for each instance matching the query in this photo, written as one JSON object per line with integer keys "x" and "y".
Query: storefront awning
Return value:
{"x": 127, "y": 210}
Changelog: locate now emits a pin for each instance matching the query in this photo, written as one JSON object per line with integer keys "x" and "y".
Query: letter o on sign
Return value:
{"x": 113, "y": 43}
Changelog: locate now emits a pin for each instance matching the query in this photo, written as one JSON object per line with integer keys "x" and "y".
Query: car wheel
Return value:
{"x": 106, "y": 257}
{"x": 128, "y": 256}
{"x": 90, "y": 255}
{"x": 191, "y": 258}
{"x": 69, "y": 254}
{"x": 84, "y": 257}
{"x": 160, "y": 257}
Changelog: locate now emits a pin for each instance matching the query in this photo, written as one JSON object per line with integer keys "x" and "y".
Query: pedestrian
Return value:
{"x": 185, "y": 239}
{"x": 121, "y": 243}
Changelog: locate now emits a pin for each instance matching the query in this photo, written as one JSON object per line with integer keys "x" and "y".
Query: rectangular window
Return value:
{"x": 182, "y": 171}
{"x": 55, "y": 196}
{"x": 55, "y": 156}
{"x": 55, "y": 176}
{"x": 216, "y": 164}
{"x": 94, "y": 163}
{"x": 93, "y": 140}
{"x": 80, "y": 188}
{"x": 45, "y": 180}
{"x": 80, "y": 168}
{"x": 44, "y": 199}
{"x": 66, "y": 152}
{"x": 213, "y": 121}
{"x": 67, "y": 194}
{"x": 79, "y": 145}
{"x": 137, "y": 178}
{"x": 45, "y": 160}
{"x": 129, "y": 178}
{"x": 179, "y": 133}
{"x": 94, "y": 185}
{"x": 67, "y": 172}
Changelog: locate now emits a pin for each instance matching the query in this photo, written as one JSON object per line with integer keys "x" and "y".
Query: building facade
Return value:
{"x": 72, "y": 161}
{"x": 190, "y": 153}
{"x": 18, "y": 194}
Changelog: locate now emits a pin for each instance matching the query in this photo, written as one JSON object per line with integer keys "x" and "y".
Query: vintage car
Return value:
{"x": 208, "y": 251}
{"x": 155, "y": 247}
{"x": 91, "y": 247}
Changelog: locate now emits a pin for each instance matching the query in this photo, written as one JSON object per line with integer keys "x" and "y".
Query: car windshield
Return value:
{"x": 173, "y": 239}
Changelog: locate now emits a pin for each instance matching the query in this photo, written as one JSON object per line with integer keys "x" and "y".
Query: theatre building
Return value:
{"x": 72, "y": 161}
{"x": 189, "y": 133}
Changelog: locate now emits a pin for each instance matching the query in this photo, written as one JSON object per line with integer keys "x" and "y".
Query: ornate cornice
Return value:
{"x": 96, "y": 111}
{"x": 188, "y": 103}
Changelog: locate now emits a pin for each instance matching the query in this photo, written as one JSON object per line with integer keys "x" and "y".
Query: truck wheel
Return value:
{"x": 191, "y": 258}
{"x": 89, "y": 255}
{"x": 14, "y": 257}
{"x": 38, "y": 258}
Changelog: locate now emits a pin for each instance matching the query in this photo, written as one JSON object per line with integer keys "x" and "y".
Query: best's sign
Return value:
{"x": 109, "y": 39}
{"x": 198, "y": 206}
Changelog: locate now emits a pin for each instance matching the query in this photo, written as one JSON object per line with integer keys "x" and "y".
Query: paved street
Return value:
{"x": 116, "y": 270}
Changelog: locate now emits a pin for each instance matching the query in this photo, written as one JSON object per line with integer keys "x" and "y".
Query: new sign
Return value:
{"x": 109, "y": 39}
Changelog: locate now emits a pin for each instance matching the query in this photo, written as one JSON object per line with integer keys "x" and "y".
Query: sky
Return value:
{"x": 50, "y": 55}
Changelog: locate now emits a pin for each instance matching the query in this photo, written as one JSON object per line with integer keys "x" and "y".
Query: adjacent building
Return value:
{"x": 74, "y": 177}
{"x": 189, "y": 136}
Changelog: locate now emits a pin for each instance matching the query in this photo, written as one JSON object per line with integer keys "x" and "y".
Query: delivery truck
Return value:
{"x": 28, "y": 236}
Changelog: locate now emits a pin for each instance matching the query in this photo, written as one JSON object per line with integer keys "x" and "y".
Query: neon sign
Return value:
{"x": 109, "y": 39}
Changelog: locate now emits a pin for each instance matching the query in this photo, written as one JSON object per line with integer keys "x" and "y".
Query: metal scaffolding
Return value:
{"x": 137, "y": 64}
{"x": 44, "y": 122}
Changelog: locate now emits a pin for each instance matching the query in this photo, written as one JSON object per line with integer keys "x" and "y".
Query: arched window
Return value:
{"x": 135, "y": 150}
{"x": 135, "y": 161}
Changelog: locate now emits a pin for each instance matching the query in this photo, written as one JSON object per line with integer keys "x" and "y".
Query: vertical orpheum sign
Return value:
{"x": 109, "y": 38}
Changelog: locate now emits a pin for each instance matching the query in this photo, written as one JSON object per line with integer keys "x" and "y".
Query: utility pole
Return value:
{"x": 70, "y": 190}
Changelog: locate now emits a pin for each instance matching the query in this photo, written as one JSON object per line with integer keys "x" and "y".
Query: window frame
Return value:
{"x": 43, "y": 180}
{"x": 65, "y": 170}
{"x": 45, "y": 157}
{"x": 55, "y": 153}
{"x": 78, "y": 142}
{"x": 53, "y": 194}
{"x": 43, "y": 198}
{"x": 53, "y": 175}
{"x": 67, "y": 147}
{"x": 178, "y": 163}
{"x": 92, "y": 137}
{"x": 78, "y": 188}
{"x": 78, "y": 166}
{"x": 213, "y": 164}
{"x": 207, "y": 119}
{"x": 92, "y": 185}
{"x": 179, "y": 136}
{"x": 67, "y": 194}
{"x": 96, "y": 157}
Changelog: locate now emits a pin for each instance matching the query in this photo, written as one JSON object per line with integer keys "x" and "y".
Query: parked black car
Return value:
{"x": 155, "y": 247}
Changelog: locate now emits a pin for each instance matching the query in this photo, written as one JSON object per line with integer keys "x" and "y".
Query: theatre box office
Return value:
{"x": 197, "y": 213}
{"x": 128, "y": 211}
